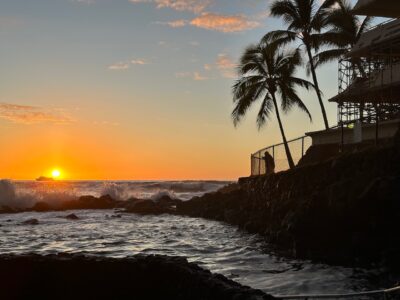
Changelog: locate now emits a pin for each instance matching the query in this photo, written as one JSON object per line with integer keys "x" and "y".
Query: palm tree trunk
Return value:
{"x": 314, "y": 75}
{"x": 285, "y": 143}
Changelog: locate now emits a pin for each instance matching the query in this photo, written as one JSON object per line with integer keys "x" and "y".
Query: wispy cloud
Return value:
{"x": 192, "y": 75}
{"x": 24, "y": 114}
{"x": 120, "y": 66}
{"x": 224, "y": 23}
{"x": 224, "y": 64}
{"x": 216, "y": 22}
{"x": 126, "y": 65}
{"x": 195, "y": 6}
{"x": 139, "y": 61}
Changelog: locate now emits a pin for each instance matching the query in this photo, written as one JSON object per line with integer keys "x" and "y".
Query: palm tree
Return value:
{"x": 265, "y": 73}
{"x": 305, "y": 21}
{"x": 345, "y": 31}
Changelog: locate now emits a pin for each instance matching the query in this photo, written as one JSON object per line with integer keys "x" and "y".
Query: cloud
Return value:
{"x": 24, "y": 114}
{"x": 224, "y": 23}
{"x": 217, "y": 22}
{"x": 177, "y": 23}
{"x": 225, "y": 65}
{"x": 139, "y": 62}
{"x": 195, "y": 6}
{"x": 198, "y": 76}
{"x": 120, "y": 66}
{"x": 126, "y": 65}
{"x": 192, "y": 75}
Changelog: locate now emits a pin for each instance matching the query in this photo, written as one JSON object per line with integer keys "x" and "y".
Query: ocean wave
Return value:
{"x": 24, "y": 194}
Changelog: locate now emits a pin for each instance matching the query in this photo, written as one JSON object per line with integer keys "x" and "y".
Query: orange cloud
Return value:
{"x": 32, "y": 115}
{"x": 223, "y": 23}
{"x": 226, "y": 66}
{"x": 196, "y": 6}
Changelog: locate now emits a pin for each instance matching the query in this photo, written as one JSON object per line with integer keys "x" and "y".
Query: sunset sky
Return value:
{"x": 132, "y": 89}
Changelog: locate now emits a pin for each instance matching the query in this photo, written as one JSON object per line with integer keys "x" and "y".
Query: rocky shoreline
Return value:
{"x": 344, "y": 210}
{"x": 69, "y": 276}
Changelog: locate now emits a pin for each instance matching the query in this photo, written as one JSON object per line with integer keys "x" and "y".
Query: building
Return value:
{"x": 369, "y": 94}
{"x": 369, "y": 82}
{"x": 378, "y": 8}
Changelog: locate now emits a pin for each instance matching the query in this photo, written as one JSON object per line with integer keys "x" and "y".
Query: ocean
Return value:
{"x": 219, "y": 247}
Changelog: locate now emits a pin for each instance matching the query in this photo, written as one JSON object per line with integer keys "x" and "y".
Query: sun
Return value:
{"x": 56, "y": 173}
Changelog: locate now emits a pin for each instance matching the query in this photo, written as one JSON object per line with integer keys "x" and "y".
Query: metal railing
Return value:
{"x": 383, "y": 294}
{"x": 298, "y": 148}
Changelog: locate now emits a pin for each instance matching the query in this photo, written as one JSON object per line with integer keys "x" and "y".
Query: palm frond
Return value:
{"x": 264, "y": 111}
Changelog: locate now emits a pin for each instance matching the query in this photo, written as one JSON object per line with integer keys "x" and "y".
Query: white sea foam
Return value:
{"x": 24, "y": 194}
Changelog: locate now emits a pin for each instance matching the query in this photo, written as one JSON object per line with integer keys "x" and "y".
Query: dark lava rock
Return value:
{"x": 72, "y": 217}
{"x": 90, "y": 202}
{"x": 146, "y": 206}
{"x": 8, "y": 210}
{"x": 31, "y": 222}
{"x": 67, "y": 276}
{"x": 41, "y": 207}
{"x": 344, "y": 210}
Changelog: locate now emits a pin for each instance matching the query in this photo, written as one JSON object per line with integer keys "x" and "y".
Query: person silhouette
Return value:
{"x": 269, "y": 163}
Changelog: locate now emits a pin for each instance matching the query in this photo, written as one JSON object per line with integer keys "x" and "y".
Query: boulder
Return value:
{"x": 145, "y": 207}
{"x": 72, "y": 217}
{"x": 31, "y": 222}
{"x": 41, "y": 206}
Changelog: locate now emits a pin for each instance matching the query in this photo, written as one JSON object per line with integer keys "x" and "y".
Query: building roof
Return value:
{"x": 378, "y": 8}
{"x": 380, "y": 85}
{"x": 380, "y": 41}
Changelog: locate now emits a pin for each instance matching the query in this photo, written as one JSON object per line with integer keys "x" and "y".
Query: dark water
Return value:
{"x": 219, "y": 247}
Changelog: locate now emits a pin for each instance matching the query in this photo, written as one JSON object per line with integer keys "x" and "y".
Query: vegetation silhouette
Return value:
{"x": 305, "y": 22}
{"x": 344, "y": 32}
{"x": 264, "y": 73}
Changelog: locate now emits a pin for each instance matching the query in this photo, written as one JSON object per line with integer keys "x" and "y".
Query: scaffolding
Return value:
{"x": 369, "y": 77}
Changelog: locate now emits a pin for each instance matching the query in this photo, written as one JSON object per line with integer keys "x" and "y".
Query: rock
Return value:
{"x": 41, "y": 207}
{"x": 72, "y": 217}
{"x": 148, "y": 277}
{"x": 342, "y": 210}
{"x": 145, "y": 207}
{"x": 90, "y": 202}
{"x": 31, "y": 222}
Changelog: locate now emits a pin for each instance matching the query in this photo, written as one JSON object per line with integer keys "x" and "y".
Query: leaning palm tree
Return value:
{"x": 266, "y": 73}
{"x": 345, "y": 31}
{"x": 305, "y": 21}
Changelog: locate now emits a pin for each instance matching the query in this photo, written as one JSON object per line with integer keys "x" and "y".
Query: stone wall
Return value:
{"x": 343, "y": 210}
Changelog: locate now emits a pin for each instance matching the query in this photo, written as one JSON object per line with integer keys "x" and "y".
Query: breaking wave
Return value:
{"x": 24, "y": 194}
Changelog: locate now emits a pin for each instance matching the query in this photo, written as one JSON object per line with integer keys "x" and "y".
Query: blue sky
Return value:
{"x": 149, "y": 76}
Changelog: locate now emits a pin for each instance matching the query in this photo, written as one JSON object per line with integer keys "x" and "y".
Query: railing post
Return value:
{"x": 251, "y": 165}
{"x": 273, "y": 152}
{"x": 342, "y": 136}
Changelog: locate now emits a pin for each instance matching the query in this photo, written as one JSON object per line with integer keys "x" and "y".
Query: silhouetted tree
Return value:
{"x": 305, "y": 21}
{"x": 265, "y": 73}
